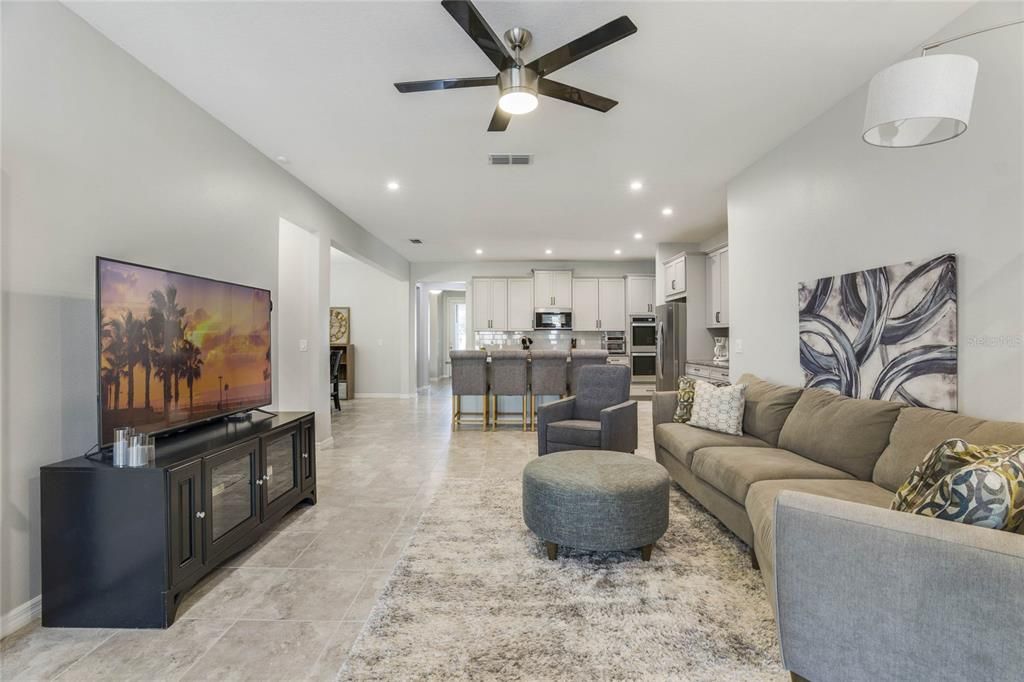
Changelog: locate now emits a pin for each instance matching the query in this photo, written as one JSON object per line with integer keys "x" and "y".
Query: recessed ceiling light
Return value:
{"x": 636, "y": 185}
{"x": 638, "y": 235}
{"x": 618, "y": 252}
{"x": 666, "y": 211}
{"x": 393, "y": 185}
{"x": 479, "y": 252}
{"x": 281, "y": 159}
{"x": 547, "y": 251}
{"x": 435, "y": 292}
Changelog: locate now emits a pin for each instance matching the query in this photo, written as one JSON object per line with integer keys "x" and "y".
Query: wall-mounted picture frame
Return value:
{"x": 341, "y": 324}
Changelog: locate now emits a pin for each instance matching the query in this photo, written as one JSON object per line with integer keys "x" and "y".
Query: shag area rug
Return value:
{"x": 474, "y": 597}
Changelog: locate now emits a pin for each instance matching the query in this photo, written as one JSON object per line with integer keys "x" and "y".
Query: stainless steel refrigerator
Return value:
{"x": 670, "y": 339}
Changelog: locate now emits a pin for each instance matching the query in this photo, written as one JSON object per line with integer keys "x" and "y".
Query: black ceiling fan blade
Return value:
{"x": 568, "y": 93}
{"x": 472, "y": 22}
{"x": 499, "y": 121}
{"x": 572, "y": 51}
{"x": 446, "y": 84}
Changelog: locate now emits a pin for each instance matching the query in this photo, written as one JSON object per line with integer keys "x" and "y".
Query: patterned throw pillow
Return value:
{"x": 685, "y": 395}
{"x": 944, "y": 459}
{"x": 987, "y": 493}
{"x": 719, "y": 408}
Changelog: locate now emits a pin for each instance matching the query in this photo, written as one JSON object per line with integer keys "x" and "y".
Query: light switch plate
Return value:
{"x": 303, "y": 345}
{"x": 737, "y": 345}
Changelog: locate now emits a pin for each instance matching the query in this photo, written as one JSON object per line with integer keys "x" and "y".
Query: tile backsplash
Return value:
{"x": 555, "y": 340}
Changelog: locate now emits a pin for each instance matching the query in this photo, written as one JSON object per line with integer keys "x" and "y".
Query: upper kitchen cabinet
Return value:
{"x": 675, "y": 277}
{"x": 552, "y": 289}
{"x": 520, "y": 304}
{"x": 718, "y": 288}
{"x": 598, "y": 304}
{"x": 639, "y": 295}
{"x": 490, "y": 304}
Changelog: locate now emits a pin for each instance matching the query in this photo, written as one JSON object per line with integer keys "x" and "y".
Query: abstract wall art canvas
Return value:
{"x": 887, "y": 333}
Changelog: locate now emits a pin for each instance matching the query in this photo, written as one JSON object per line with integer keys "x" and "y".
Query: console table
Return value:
{"x": 121, "y": 546}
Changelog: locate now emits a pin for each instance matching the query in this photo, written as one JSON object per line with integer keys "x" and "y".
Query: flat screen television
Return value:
{"x": 177, "y": 349}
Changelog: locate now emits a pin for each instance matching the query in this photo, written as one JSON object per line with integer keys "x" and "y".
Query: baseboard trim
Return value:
{"x": 384, "y": 395}
{"x": 20, "y": 616}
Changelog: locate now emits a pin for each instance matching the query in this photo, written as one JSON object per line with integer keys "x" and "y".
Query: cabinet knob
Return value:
{"x": 259, "y": 481}
{"x": 305, "y": 455}
{"x": 200, "y": 515}
{"x": 266, "y": 477}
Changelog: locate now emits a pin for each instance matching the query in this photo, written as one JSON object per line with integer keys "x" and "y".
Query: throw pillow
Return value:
{"x": 718, "y": 408}
{"x": 945, "y": 458}
{"x": 987, "y": 493}
{"x": 685, "y": 394}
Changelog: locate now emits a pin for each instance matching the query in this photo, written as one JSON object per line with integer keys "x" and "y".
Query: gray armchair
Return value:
{"x": 599, "y": 417}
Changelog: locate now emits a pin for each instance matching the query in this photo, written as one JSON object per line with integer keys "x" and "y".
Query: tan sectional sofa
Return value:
{"x": 800, "y": 443}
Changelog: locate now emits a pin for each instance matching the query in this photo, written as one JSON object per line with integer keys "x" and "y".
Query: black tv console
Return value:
{"x": 121, "y": 546}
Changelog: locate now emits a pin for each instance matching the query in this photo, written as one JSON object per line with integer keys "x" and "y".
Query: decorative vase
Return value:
{"x": 721, "y": 349}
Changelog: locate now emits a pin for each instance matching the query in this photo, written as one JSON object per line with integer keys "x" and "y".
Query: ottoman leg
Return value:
{"x": 552, "y": 550}
{"x": 645, "y": 552}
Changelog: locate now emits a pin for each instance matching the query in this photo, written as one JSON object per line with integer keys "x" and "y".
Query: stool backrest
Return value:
{"x": 549, "y": 372}
{"x": 469, "y": 372}
{"x": 509, "y": 372}
{"x": 581, "y": 359}
{"x": 600, "y": 386}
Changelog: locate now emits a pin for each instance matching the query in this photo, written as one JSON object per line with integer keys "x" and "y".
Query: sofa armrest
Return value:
{"x": 871, "y": 594}
{"x": 665, "y": 404}
{"x": 619, "y": 427}
{"x": 556, "y": 411}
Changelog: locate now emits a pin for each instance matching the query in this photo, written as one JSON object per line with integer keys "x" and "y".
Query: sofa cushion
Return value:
{"x": 733, "y": 470}
{"x": 686, "y": 393}
{"x": 682, "y": 440}
{"x": 919, "y": 430}
{"x": 841, "y": 432}
{"x": 575, "y": 431}
{"x": 760, "y": 505}
{"x": 767, "y": 407}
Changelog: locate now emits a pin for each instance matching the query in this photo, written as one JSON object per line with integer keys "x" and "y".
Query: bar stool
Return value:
{"x": 549, "y": 375}
{"x": 509, "y": 377}
{"x": 469, "y": 377}
{"x": 583, "y": 358}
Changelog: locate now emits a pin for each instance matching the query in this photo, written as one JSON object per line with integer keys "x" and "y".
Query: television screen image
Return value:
{"x": 175, "y": 349}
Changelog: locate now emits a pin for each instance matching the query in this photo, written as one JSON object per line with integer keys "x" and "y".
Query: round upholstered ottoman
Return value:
{"x": 596, "y": 500}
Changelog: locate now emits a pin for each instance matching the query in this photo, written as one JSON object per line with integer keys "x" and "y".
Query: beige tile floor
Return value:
{"x": 291, "y": 606}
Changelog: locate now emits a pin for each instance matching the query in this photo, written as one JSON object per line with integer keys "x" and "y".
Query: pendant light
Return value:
{"x": 924, "y": 100}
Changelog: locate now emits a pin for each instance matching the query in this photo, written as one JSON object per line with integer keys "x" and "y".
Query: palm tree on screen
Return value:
{"x": 115, "y": 354}
{"x": 192, "y": 369}
{"x": 134, "y": 350}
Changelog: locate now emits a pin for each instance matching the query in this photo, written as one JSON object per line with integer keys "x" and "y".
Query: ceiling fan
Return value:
{"x": 520, "y": 83}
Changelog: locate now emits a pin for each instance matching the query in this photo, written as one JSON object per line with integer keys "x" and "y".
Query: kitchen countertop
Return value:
{"x": 709, "y": 363}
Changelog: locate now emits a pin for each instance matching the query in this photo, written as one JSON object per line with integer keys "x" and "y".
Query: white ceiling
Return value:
{"x": 704, "y": 90}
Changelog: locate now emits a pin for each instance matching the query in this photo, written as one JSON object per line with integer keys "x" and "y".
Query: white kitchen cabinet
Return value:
{"x": 640, "y": 295}
{"x": 598, "y": 304}
{"x": 520, "y": 304}
{"x": 675, "y": 277}
{"x": 718, "y": 289}
{"x": 612, "y": 304}
{"x": 490, "y": 304}
{"x": 585, "y": 305}
{"x": 552, "y": 288}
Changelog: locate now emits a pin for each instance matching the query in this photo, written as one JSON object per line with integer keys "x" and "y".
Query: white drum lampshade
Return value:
{"x": 920, "y": 101}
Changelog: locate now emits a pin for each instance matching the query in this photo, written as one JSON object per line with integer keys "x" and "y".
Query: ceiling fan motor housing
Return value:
{"x": 518, "y": 79}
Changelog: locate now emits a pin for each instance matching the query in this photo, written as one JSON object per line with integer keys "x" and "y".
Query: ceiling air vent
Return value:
{"x": 415, "y": 241}
{"x": 510, "y": 159}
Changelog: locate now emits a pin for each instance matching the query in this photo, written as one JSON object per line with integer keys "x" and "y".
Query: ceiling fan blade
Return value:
{"x": 499, "y": 121}
{"x": 568, "y": 93}
{"x": 472, "y": 22}
{"x": 446, "y": 84}
{"x": 577, "y": 49}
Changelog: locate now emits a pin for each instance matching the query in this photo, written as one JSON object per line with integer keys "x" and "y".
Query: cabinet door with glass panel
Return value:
{"x": 282, "y": 471}
{"x": 232, "y": 507}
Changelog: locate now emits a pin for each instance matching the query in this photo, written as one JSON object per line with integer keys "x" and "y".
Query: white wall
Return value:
{"x": 101, "y": 157}
{"x": 295, "y": 306}
{"x": 378, "y": 307}
{"x": 825, "y": 203}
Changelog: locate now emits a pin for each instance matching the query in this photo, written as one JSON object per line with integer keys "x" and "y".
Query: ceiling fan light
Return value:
{"x": 517, "y": 101}
{"x": 920, "y": 101}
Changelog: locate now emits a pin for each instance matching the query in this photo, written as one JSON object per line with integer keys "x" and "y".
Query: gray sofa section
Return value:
{"x": 833, "y": 464}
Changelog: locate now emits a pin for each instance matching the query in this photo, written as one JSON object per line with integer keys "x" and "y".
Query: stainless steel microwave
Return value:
{"x": 552, "y": 320}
